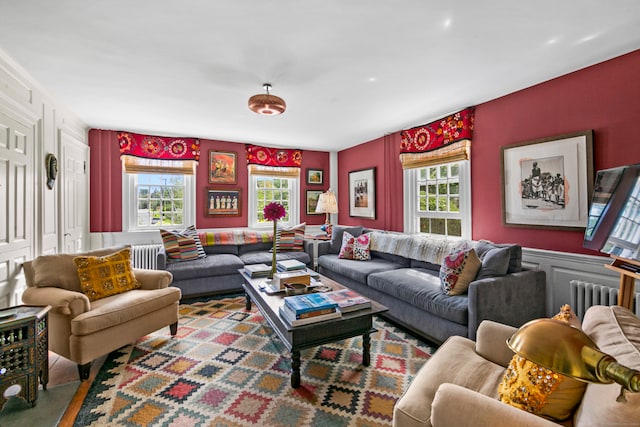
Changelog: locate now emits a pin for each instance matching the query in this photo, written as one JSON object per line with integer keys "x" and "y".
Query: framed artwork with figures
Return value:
{"x": 222, "y": 167}
{"x": 224, "y": 202}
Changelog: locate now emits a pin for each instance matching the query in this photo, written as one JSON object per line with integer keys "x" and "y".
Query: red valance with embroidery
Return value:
{"x": 438, "y": 134}
{"x": 157, "y": 147}
{"x": 279, "y": 157}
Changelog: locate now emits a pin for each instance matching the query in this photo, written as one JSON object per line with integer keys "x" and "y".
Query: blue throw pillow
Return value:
{"x": 495, "y": 262}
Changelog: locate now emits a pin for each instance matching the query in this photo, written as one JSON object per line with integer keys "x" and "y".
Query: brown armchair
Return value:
{"x": 82, "y": 330}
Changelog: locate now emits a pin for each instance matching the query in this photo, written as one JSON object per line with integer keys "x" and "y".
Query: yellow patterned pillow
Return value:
{"x": 103, "y": 276}
{"x": 538, "y": 390}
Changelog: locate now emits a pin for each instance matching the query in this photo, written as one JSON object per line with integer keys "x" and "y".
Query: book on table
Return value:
{"x": 348, "y": 300}
{"x": 289, "y": 316}
{"x": 309, "y": 302}
{"x": 257, "y": 270}
{"x": 290, "y": 265}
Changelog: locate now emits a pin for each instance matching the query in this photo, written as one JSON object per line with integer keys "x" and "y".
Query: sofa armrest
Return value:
{"x": 324, "y": 247}
{"x": 512, "y": 299}
{"x": 491, "y": 342}
{"x": 69, "y": 303}
{"x": 161, "y": 259}
{"x": 153, "y": 279}
{"x": 454, "y": 405}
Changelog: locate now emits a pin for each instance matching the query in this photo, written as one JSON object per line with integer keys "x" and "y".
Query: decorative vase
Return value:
{"x": 273, "y": 254}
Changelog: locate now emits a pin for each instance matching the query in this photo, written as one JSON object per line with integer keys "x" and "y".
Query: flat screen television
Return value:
{"x": 614, "y": 216}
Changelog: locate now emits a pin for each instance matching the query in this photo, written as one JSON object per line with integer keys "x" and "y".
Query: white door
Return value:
{"x": 74, "y": 197}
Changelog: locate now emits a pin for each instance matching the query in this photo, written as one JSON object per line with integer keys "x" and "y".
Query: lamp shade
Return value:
{"x": 267, "y": 104}
{"x": 327, "y": 203}
{"x": 565, "y": 349}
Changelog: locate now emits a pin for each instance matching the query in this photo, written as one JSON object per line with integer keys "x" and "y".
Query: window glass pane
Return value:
{"x": 442, "y": 188}
{"x": 432, "y": 189}
{"x": 424, "y": 225}
{"x": 454, "y": 188}
{"x": 454, "y": 227}
{"x": 433, "y": 172}
{"x": 158, "y": 197}
{"x": 274, "y": 190}
{"x": 438, "y": 226}
{"x": 444, "y": 171}
{"x": 455, "y": 169}
{"x": 454, "y": 204}
{"x": 143, "y": 205}
{"x": 143, "y": 192}
{"x": 442, "y": 204}
{"x": 432, "y": 203}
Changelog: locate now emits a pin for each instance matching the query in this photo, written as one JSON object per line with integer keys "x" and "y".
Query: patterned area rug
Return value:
{"x": 227, "y": 368}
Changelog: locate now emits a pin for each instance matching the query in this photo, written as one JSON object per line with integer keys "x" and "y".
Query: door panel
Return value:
{"x": 74, "y": 198}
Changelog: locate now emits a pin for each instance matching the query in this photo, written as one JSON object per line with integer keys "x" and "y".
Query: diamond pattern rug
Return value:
{"x": 227, "y": 368}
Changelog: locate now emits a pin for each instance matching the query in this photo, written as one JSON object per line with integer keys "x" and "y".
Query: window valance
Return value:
{"x": 156, "y": 154}
{"x": 275, "y": 157}
{"x": 444, "y": 140}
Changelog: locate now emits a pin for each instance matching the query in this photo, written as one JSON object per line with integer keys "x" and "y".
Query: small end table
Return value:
{"x": 24, "y": 352}
{"x": 316, "y": 240}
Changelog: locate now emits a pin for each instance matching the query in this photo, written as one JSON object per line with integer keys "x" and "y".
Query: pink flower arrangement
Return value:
{"x": 274, "y": 211}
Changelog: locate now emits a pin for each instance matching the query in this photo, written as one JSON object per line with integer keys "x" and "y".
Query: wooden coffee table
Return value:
{"x": 298, "y": 338}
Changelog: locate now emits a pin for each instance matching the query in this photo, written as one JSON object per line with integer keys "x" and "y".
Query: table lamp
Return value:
{"x": 327, "y": 204}
{"x": 565, "y": 349}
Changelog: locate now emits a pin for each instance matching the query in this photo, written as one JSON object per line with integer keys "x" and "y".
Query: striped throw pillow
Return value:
{"x": 290, "y": 239}
{"x": 179, "y": 246}
{"x": 193, "y": 233}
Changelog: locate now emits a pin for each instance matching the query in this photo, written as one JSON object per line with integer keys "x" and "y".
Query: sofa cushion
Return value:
{"x": 122, "y": 308}
{"x": 458, "y": 270}
{"x": 515, "y": 253}
{"x": 103, "y": 276}
{"x": 263, "y": 257}
{"x": 424, "y": 264}
{"x": 291, "y": 239}
{"x": 179, "y": 246}
{"x": 254, "y": 247}
{"x": 212, "y": 265}
{"x": 221, "y": 249}
{"x": 355, "y": 270}
{"x": 421, "y": 288}
{"x": 356, "y": 248}
{"x": 336, "y": 236}
{"x": 495, "y": 263}
{"x": 396, "y": 259}
{"x": 616, "y": 331}
{"x": 541, "y": 391}
{"x": 60, "y": 270}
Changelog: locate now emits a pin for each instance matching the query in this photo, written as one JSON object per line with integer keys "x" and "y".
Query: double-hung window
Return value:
{"x": 160, "y": 195}
{"x": 268, "y": 185}
{"x": 438, "y": 199}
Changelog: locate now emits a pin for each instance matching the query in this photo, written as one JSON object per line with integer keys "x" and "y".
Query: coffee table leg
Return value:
{"x": 247, "y": 304}
{"x": 366, "y": 347}
{"x": 295, "y": 369}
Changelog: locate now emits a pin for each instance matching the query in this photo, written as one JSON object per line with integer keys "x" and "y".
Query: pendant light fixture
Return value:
{"x": 267, "y": 104}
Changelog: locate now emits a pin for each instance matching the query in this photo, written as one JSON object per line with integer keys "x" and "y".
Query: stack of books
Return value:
{"x": 257, "y": 270}
{"x": 348, "y": 300}
{"x": 290, "y": 265}
{"x": 309, "y": 308}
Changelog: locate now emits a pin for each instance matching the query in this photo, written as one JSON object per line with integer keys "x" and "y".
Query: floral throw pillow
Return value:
{"x": 458, "y": 270}
{"x": 356, "y": 248}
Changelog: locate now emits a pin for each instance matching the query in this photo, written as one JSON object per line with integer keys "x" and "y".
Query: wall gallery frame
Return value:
{"x": 362, "y": 193}
{"x": 312, "y": 201}
{"x": 315, "y": 176}
{"x": 222, "y": 167}
{"x": 224, "y": 202}
{"x": 547, "y": 183}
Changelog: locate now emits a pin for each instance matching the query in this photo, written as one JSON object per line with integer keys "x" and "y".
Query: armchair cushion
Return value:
{"x": 60, "y": 270}
{"x": 107, "y": 275}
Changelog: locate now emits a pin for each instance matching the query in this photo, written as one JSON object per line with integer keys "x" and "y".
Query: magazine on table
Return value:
{"x": 309, "y": 302}
{"x": 285, "y": 314}
{"x": 348, "y": 300}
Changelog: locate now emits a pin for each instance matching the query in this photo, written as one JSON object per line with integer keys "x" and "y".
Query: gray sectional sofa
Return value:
{"x": 226, "y": 253}
{"x": 403, "y": 274}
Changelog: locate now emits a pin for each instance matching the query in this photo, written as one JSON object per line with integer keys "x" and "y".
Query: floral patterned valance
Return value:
{"x": 278, "y": 157}
{"x": 438, "y": 134}
{"x": 157, "y": 147}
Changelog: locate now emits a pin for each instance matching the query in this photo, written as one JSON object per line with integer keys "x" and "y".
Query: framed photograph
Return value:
{"x": 224, "y": 202}
{"x": 315, "y": 176}
{"x": 312, "y": 201}
{"x": 547, "y": 183}
{"x": 362, "y": 193}
{"x": 222, "y": 167}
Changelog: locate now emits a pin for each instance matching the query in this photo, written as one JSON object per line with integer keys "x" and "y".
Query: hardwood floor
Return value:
{"x": 63, "y": 371}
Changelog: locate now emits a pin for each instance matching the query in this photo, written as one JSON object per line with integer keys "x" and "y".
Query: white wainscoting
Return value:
{"x": 562, "y": 267}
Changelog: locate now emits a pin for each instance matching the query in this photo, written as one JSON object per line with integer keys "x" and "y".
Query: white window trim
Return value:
{"x": 411, "y": 217}
{"x": 129, "y": 208}
{"x": 294, "y": 203}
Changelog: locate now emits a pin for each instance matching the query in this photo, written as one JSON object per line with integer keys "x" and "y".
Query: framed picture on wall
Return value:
{"x": 315, "y": 176}
{"x": 224, "y": 202}
{"x": 547, "y": 183}
{"x": 222, "y": 167}
{"x": 312, "y": 201}
{"x": 362, "y": 193}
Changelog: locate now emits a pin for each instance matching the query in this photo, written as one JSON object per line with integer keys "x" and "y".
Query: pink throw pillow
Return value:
{"x": 356, "y": 248}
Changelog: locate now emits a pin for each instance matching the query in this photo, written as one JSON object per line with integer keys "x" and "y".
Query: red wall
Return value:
{"x": 604, "y": 97}
{"x": 106, "y": 183}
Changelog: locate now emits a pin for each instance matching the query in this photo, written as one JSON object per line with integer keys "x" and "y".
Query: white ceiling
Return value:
{"x": 349, "y": 70}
